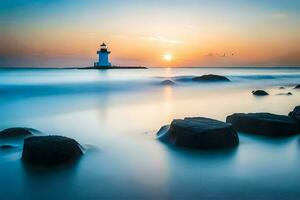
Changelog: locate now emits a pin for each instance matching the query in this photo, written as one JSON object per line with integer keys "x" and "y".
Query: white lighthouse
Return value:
{"x": 103, "y": 54}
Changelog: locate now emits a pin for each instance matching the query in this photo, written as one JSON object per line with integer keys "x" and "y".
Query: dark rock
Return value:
{"x": 281, "y": 87}
{"x": 16, "y": 132}
{"x": 288, "y": 93}
{"x": 259, "y": 93}
{"x": 163, "y": 134}
{"x": 50, "y": 150}
{"x": 199, "y": 132}
{"x": 295, "y": 114}
{"x": 6, "y": 146}
{"x": 264, "y": 124}
{"x": 167, "y": 82}
{"x": 297, "y": 87}
{"x": 211, "y": 78}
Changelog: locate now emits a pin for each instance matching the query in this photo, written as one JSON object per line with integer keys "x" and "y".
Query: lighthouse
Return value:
{"x": 103, "y": 54}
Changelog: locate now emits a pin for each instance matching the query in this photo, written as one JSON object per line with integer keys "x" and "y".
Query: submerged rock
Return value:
{"x": 16, "y": 132}
{"x": 199, "y": 132}
{"x": 295, "y": 114}
{"x": 297, "y": 87}
{"x": 259, "y": 93}
{"x": 288, "y": 93}
{"x": 50, "y": 150}
{"x": 264, "y": 124}
{"x": 6, "y": 146}
{"x": 211, "y": 78}
{"x": 167, "y": 82}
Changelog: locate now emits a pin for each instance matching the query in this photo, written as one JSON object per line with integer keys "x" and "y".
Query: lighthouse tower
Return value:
{"x": 103, "y": 54}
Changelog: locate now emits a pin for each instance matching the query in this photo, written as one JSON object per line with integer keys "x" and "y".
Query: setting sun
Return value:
{"x": 168, "y": 57}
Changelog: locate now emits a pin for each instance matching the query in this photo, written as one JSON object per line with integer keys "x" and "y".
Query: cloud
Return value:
{"x": 211, "y": 54}
{"x": 162, "y": 39}
{"x": 279, "y": 15}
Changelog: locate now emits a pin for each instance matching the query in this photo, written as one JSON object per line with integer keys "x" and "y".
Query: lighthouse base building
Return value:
{"x": 103, "y": 60}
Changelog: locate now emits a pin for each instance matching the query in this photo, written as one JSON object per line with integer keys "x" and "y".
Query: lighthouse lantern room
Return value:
{"x": 103, "y": 54}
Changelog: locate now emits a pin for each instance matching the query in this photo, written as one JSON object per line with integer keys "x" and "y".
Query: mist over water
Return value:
{"x": 117, "y": 113}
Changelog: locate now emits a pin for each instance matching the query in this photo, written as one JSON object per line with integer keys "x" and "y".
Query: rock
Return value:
{"x": 297, "y": 87}
{"x": 295, "y": 114}
{"x": 16, "y": 132}
{"x": 6, "y": 146}
{"x": 167, "y": 82}
{"x": 264, "y": 124}
{"x": 288, "y": 93}
{"x": 50, "y": 150}
{"x": 211, "y": 78}
{"x": 163, "y": 134}
{"x": 199, "y": 132}
{"x": 259, "y": 93}
{"x": 281, "y": 88}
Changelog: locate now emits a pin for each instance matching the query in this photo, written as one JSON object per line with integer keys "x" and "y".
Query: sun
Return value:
{"x": 168, "y": 57}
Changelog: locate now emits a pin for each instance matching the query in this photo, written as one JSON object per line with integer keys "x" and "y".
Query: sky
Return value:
{"x": 156, "y": 33}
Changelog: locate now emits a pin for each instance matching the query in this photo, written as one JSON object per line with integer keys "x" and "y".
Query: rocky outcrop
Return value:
{"x": 16, "y": 132}
{"x": 50, "y": 150}
{"x": 288, "y": 93}
{"x": 297, "y": 87}
{"x": 167, "y": 82}
{"x": 211, "y": 78}
{"x": 260, "y": 93}
{"x": 199, "y": 132}
{"x": 264, "y": 124}
{"x": 295, "y": 114}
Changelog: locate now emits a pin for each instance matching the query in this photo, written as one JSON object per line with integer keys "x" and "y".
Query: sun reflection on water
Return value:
{"x": 168, "y": 103}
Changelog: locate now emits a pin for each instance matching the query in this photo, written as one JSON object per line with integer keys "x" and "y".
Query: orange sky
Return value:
{"x": 195, "y": 33}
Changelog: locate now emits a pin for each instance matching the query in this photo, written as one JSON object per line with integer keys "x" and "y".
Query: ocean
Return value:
{"x": 115, "y": 114}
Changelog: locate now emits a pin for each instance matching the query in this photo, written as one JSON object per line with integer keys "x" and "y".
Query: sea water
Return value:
{"x": 115, "y": 114}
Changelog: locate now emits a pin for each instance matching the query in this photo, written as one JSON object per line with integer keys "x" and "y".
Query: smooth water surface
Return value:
{"x": 116, "y": 113}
